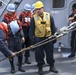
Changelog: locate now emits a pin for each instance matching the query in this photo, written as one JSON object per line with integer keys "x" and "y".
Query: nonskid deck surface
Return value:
{"x": 65, "y": 65}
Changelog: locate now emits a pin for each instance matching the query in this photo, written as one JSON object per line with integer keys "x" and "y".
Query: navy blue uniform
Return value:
{"x": 27, "y": 40}
{"x": 15, "y": 45}
{"x": 73, "y": 39}
{"x": 3, "y": 47}
{"x": 26, "y": 35}
{"x": 14, "y": 41}
{"x": 49, "y": 47}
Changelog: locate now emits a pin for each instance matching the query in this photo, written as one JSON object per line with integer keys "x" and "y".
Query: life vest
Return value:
{"x": 26, "y": 19}
{"x": 11, "y": 18}
{"x": 42, "y": 27}
{"x": 4, "y": 28}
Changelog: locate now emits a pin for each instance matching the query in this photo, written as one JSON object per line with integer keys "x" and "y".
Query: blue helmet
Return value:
{"x": 14, "y": 27}
{"x": 27, "y": 7}
{"x": 11, "y": 7}
{"x": 33, "y": 7}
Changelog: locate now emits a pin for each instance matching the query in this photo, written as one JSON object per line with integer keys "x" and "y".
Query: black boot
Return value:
{"x": 27, "y": 61}
{"x": 53, "y": 69}
{"x": 40, "y": 70}
{"x": 20, "y": 64}
{"x": 20, "y": 68}
{"x": 71, "y": 55}
{"x": 12, "y": 66}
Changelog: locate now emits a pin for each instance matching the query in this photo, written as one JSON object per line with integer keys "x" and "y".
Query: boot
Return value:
{"x": 40, "y": 70}
{"x": 12, "y": 66}
{"x": 27, "y": 61}
{"x": 20, "y": 68}
{"x": 71, "y": 55}
{"x": 53, "y": 69}
{"x": 20, "y": 64}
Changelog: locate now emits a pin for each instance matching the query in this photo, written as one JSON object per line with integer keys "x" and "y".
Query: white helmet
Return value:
{"x": 33, "y": 7}
{"x": 11, "y": 7}
{"x": 27, "y": 7}
{"x": 14, "y": 26}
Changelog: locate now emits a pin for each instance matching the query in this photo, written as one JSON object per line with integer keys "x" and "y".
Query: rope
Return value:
{"x": 49, "y": 39}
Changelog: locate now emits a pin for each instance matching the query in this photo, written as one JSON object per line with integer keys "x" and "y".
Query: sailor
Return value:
{"x": 41, "y": 27}
{"x": 25, "y": 17}
{"x": 33, "y": 9}
{"x": 3, "y": 37}
{"x": 16, "y": 36}
{"x": 72, "y": 18}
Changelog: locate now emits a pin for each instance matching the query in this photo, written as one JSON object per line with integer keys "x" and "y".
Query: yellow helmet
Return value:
{"x": 39, "y": 4}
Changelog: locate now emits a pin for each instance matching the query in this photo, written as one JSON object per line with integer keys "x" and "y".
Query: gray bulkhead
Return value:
{"x": 60, "y": 14}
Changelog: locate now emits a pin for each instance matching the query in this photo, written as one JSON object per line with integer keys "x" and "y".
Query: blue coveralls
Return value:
{"x": 49, "y": 47}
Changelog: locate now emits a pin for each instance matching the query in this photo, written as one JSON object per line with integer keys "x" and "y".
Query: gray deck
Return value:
{"x": 65, "y": 66}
